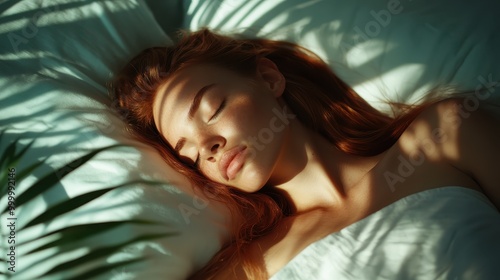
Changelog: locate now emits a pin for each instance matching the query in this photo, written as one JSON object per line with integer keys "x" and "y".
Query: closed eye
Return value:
{"x": 189, "y": 162}
{"x": 221, "y": 107}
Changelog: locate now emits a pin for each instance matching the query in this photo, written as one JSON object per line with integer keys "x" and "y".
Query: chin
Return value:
{"x": 250, "y": 189}
{"x": 254, "y": 187}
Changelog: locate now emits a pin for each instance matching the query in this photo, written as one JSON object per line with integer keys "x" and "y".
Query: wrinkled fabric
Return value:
{"x": 444, "y": 233}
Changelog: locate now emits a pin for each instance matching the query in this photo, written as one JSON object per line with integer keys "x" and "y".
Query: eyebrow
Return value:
{"x": 195, "y": 104}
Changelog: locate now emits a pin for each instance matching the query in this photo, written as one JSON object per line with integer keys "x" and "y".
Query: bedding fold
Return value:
{"x": 444, "y": 233}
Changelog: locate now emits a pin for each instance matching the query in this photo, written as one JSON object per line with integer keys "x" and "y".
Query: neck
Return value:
{"x": 314, "y": 173}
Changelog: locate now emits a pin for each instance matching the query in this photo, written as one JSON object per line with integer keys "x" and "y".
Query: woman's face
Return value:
{"x": 232, "y": 127}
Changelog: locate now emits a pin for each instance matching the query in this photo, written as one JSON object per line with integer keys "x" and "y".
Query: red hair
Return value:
{"x": 319, "y": 99}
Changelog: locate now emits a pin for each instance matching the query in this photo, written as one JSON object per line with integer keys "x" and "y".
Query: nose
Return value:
{"x": 210, "y": 147}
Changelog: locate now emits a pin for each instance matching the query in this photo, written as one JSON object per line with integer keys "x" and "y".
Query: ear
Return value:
{"x": 272, "y": 77}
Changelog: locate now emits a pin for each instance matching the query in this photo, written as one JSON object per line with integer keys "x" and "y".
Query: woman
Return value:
{"x": 293, "y": 151}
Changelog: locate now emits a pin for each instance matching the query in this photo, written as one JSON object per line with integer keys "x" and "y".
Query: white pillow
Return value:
{"x": 55, "y": 60}
{"x": 386, "y": 49}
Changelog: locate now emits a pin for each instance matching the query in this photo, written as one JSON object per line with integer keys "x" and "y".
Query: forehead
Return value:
{"x": 174, "y": 96}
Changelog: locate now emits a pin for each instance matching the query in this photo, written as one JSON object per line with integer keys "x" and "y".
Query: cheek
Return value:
{"x": 211, "y": 171}
{"x": 259, "y": 123}
{"x": 253, "y": 116}
{"x": 265, "y": 128}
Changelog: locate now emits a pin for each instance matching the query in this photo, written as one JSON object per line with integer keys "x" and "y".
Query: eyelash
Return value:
{"x": 222, "y": 105}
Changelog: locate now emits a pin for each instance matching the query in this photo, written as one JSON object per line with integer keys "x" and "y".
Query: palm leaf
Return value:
{"x": 72, "y": 233}
{"x": 10, "y": 158}
{"x": 5, "y": 163}
{"x": 9, "y": 153}
{"x": 104, "y": 269}
{"x": 28, "y": 170}
{"x": 67, "y": 237}
{"x": 75, "y": 202}
{"x": 101, "y": 252}
{"x": 56, "y": 176}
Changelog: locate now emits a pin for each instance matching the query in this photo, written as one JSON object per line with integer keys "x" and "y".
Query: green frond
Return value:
{"x": 71, "y": 237}
{"x": 57, "y": 175}
{"x": 75, "y": 202}
{"x": 78, "y": 232}
{"x": 101, "y": 252}
{"x": 104, "y": 269}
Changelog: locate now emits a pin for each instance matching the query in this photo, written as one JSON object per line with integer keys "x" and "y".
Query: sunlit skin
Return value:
{"x": 244, "y": 105}
{"x": 328, "y": 188}
{"x": 309, "y": 168}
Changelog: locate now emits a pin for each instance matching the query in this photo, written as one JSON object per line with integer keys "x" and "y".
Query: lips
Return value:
{"x": 231, "y": 162}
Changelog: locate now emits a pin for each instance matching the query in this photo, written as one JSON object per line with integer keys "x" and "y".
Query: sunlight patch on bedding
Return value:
{"x": 367, "y": 52}
{"x": 56, "y": 14}
{"x": 287, "y": 32}
{"x": 100, "y": 210}
{"x": 314, "y": 43}
{"x": 136, "y": 250}
{"x": 65, "y": 256}
{"x": 35, "y": 264}
{"x": 195, "y": 7}
{"x": 251, "y": 12}
{"x": 23, "y": 55}
{"x": 60, "y": 65}
{"x": 34, "y": 235}
{"x": 32, "y": 125}
{"x": 384, "y": 84}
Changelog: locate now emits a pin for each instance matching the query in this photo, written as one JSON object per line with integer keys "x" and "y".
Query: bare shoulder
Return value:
{"x": 463, "y": 134}
{"x": 442, "y": 129}
{"x": 436, "y": 131}
{"x": 423, "y": 157}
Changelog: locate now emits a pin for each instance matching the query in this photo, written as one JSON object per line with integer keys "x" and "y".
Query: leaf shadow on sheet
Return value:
{"x": 399, "y": 52}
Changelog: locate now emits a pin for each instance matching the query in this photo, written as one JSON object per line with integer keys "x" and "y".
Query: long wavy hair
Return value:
{"x": 318, "y": 98}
